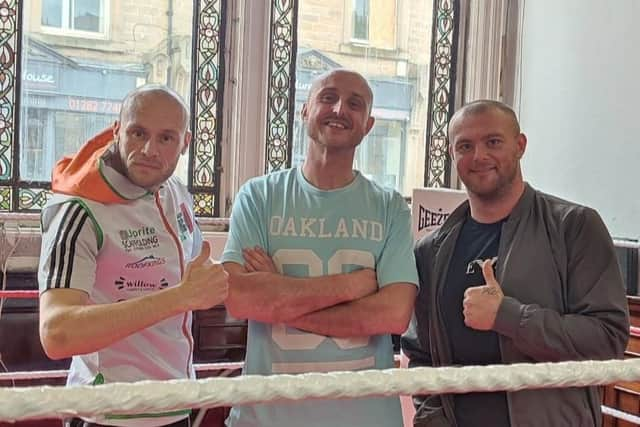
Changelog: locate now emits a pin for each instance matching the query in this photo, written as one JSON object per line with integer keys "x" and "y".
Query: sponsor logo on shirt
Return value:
{"x": 139, "y": 239}
{"x": 125, "y": 284}
{"x": 146, "y": 262}
{"x": 185, "y": 223}
{"x": 427, "y": 218}
{"x": 475, "y": 266}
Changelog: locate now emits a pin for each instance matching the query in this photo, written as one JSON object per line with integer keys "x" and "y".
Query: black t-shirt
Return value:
{"x": 475, "y": 243}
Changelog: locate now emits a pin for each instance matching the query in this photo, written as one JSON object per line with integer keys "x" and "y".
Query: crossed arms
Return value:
{"x": 338, "y": 305}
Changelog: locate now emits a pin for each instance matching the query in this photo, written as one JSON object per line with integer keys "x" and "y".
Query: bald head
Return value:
{"x": 484, "y": 106}
{"x": 133, "y": 101}
{"x": 321, "y": 80}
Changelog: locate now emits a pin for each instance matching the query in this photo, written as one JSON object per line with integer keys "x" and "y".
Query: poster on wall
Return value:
{"x": 430, "y": 207}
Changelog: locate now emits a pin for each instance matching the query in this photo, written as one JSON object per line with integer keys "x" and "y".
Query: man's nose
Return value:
{"x": 150, "y": 147}
{"x": 338, "y": 107}
{"x": 479, "y": 152}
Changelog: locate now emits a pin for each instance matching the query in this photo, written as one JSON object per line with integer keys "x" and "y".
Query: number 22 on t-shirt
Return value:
{"x": 308, "y": 341}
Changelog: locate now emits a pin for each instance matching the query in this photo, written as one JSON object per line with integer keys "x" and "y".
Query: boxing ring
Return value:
{"x": 24, "y": 403}
{"x": 46, "y": 402}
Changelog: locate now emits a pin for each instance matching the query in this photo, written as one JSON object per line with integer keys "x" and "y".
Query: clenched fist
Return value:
{"x": 205, "y": 283}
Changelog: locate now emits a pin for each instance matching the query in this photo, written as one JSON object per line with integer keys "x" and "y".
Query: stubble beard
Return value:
{"x": 321, "y": 139}
{"x": 502, "y": 187}
{"x": 150, "y": 184}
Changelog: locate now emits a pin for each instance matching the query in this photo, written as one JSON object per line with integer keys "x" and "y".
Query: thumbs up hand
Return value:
{"x": 481, "y": 303}
{"x": 204, "y": 283}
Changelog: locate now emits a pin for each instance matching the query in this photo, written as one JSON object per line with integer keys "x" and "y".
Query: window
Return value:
{"x": 361, "y": 19}
{"x": 375, "y": 23}
{"x": 383, "y": 154}
{"x": 51, "y": 134}
{"x": 393, "y": 154}
{"x": 75, "y": 15}
{"x": 70, "y": 88}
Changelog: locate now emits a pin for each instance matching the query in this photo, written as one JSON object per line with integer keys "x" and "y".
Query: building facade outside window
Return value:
{"x": 71, "y": 84}
{"x": 361, "y": 19}
{"x": 72, "y": 88}
{"x": 396, "y": 63}
{"x": 75, "y": 15}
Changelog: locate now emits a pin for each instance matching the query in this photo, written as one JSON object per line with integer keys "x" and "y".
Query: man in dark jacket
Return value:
{"x": 514, "y": 275}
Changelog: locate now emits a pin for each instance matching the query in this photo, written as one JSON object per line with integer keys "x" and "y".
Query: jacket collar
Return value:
{"x": 522, "y": 207}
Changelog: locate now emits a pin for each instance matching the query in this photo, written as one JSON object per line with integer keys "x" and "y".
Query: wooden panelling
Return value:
{"x": 20, "y": 347}
{"x": 634, "y": 310}
{"x": 218, "y": 336}
{"x": 626, "y": 396}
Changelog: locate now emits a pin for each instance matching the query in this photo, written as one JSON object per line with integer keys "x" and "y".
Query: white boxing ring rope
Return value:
{"x": 621, "y": 415}
{"x": 156, "y": 396}
{"x": 227, "y": 367}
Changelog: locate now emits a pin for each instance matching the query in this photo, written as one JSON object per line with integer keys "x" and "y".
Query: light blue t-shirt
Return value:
{"x": 311, "y": 232}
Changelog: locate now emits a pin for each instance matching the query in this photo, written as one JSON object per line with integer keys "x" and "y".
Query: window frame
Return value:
{"x": 446, "y": 48}
{"x": 242, "y": 126}
{"x": 66, "y": 29}
{"x": 354, "y": 38}
{"x": 20, "y": 197}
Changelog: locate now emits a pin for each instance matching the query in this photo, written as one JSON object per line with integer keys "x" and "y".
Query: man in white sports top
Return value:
{"x": 123, "y": 263}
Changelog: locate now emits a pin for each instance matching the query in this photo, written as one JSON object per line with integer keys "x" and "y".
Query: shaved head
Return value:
{"x": 322, "y": 78}
{"x": 133, "y": 101}
{"x": 483, "y": 106}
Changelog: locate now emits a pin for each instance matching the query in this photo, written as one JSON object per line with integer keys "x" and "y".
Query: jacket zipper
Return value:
{"x": 175, "y": 239}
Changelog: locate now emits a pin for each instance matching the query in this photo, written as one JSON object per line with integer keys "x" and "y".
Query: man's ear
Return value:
{"x": 370, "y": 122}
{"x": 521, "y": 141}
{"x": 116, "y": 129}
{"x": 187, "y": 141}
{"x": 304, "y": 113}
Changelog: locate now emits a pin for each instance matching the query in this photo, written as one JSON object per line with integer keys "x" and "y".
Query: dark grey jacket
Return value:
{"x": 564, "y": 300}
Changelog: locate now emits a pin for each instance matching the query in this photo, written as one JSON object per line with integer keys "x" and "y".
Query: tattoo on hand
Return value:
{"x": 490, "y": 291}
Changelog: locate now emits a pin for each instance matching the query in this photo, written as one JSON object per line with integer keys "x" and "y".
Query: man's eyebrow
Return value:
{"x": 134, "y": 125}
{"x": 494, "y": 135}
{"x": 335, "y": 89}
{"x": 486, "y": 136}
{"x": 327, "y": 89}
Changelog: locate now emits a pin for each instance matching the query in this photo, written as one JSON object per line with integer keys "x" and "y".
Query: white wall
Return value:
{"x": 579, "y": 104}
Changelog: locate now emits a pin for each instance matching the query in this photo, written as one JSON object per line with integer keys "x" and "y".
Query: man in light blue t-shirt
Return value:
{"x": 321, "y": 263}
